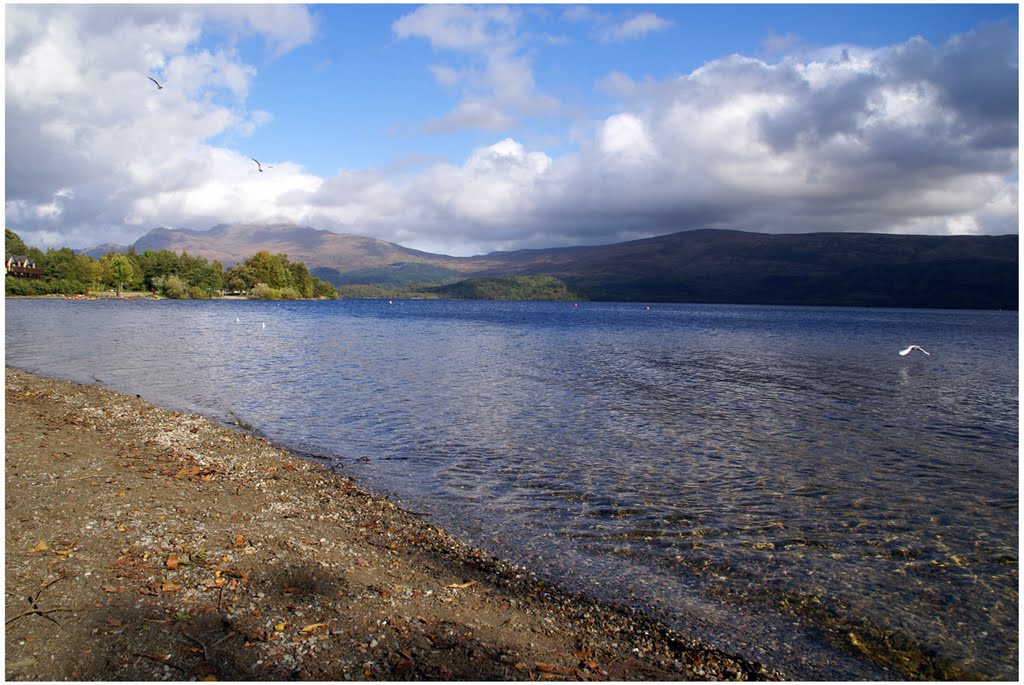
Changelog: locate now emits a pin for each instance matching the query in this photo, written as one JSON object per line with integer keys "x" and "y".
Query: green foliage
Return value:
{"x": 267, "y": 276}
{"x": 175, "y": 288}
{"x": 397, "y": 275}
{"x": 262, "y": 291}
{"x": 18, "y": 287}
{"x": 511, "y": 288}
{"x": 324, "y": 290}
{"x": 377, "y": 292}
{"x": 163, "y": 271}
{"x": 13, "y": 244}
{"x": 121, "y": 270}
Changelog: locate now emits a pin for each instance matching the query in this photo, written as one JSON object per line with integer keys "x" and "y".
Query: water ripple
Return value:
{"x": 776, "y": 468}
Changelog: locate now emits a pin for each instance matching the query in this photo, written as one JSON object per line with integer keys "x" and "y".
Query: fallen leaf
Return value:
{"x": 281, "y": 626}
{"x": 461, "y": 586}
{"x": 110, "y": 588}
{"x": 168, "y": 586}
{"x": 41, "y": 547}
{"x": 313, "y": 626}
{"x": 188, "y": 472}
{"x": 240, "y": 540}
{"x": 172, "y": 562}
{"x": 288, "y": 467}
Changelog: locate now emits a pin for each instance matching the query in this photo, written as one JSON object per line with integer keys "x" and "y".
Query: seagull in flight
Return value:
{"x": 158, "y": 86}
{"x": 260, "y": 166}
{"x": 910, "y": 349}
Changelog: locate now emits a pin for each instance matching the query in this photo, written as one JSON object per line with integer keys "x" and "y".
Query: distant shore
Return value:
{"x": 126, "y": 295}
{"x": 147, "y": 544}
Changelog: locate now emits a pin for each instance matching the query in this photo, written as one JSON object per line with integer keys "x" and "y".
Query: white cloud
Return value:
{"x": 460, "y": 27}
{"x": 624, "y": 136}
{"x": 909, "y": 138}
{"x": 636, "y": 26}
{"x": 94, "y": 150}
{"x": 494, "y": 72}
{"x": 445, "y": 75}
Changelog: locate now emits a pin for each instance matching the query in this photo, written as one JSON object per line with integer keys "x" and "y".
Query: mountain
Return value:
{"x": 855, "y": 269}
{"x": 719, "y": 266}
{"x": 104, "y": 249}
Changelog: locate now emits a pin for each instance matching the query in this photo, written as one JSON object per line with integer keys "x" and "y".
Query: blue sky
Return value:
{"x": 464, "y": 129}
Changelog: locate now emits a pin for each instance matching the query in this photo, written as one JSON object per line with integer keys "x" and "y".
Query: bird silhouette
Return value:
{"x": 158, "y": 86}
{"x": 912, "y": 348}
{"x": 260, "y": 166}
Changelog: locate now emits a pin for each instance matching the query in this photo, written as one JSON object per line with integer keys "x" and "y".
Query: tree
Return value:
{"x": 13, "y": 243}
{"x": 121, "y": 270}
{"x": 174, "y": 288}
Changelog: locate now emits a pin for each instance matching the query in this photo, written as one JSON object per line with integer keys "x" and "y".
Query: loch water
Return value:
{"x": 777, "y": 481}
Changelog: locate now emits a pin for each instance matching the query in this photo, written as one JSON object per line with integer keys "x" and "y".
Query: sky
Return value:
{"x": 463, "y": 129}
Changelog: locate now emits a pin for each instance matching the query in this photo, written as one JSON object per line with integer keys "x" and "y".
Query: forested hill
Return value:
{"x": 852, "y": 269}
{"x": 718, "y": 266}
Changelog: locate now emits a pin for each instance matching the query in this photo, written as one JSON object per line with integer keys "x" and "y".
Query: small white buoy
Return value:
{"x": 263, "y": 324}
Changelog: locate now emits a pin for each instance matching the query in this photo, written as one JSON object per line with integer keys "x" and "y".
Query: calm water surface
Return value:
{"x": 775, "y": 480}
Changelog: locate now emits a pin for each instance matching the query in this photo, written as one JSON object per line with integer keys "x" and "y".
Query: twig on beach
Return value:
{"x": 33, "y": 602}
{"x": 206, "y": 656}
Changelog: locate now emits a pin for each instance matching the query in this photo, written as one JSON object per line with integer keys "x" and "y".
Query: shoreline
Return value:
{"x": 148, "y": 544}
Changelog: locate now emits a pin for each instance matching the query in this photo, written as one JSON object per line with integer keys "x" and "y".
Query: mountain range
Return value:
{"x": 704, "y": 265}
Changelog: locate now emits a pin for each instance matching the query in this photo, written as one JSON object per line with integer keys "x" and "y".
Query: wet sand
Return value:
{"x": 146, "y": 544}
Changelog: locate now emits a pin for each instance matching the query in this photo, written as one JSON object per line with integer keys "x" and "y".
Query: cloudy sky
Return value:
{"x": 464, "y": 129}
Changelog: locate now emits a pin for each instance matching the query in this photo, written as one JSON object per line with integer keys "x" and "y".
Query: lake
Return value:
{"x": 775, "y": 480}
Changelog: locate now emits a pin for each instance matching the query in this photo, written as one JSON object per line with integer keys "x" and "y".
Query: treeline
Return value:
{"x": 510, "y": 288}
{"x": 164, "y": 272}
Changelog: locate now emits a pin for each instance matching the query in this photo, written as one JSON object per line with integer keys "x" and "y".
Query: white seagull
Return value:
{"x": 260, "y": 166}
{"x": 263, "y": 324}
{"x": 158, "y": 86}
{"x": 910, "y": 349}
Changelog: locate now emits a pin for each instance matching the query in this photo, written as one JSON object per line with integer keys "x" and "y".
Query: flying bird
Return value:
{"x": 158, "y": 86}
{"x": 912, "y": 348}
{"x": 260, "y": 166}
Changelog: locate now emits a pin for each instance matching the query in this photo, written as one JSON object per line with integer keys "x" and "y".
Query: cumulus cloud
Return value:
{"x": 493, "y": 66}
{"x": 844, "y": 139}
{"x": 94, "y": 151}
{"x": 912, "y": 138}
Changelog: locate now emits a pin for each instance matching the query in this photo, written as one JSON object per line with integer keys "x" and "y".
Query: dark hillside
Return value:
{"x": 856, "y": 269}
{"x": 860, "y": 269}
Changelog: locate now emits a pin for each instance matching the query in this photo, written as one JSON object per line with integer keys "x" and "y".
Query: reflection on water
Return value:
{"x": 779, "y": 470}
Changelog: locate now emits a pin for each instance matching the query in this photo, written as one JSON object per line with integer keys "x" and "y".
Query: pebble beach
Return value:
{"x": 147, "y": 544}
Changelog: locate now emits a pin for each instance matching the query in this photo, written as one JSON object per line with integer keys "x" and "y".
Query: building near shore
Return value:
{"x": 21, "y": 267}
